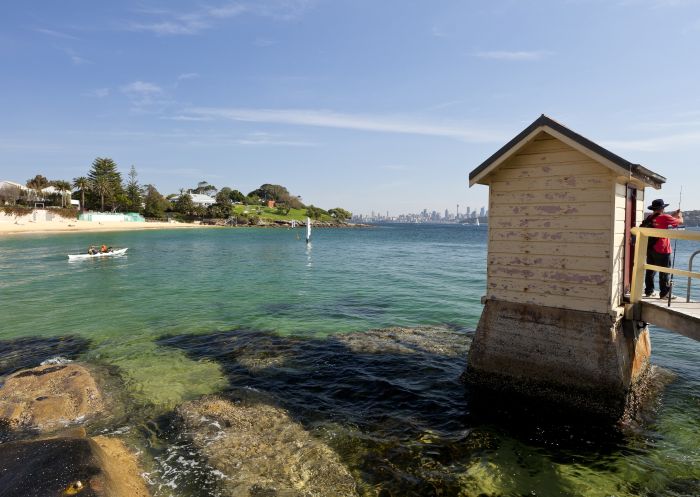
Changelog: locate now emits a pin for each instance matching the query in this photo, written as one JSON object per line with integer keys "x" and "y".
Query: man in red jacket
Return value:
{"x": 659, "y": 251}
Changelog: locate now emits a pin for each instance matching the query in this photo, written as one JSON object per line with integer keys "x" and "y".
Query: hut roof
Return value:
{"x": 581, "y": 143}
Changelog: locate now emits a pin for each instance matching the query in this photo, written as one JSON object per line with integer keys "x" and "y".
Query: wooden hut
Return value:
{"x": 559, "y": 264}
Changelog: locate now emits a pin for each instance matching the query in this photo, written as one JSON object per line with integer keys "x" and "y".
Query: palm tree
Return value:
{"x": 102, "y": 187}
{"x": 82, "y": 184}
{"x": 63, "y": 187}
{"x": 37, "y": 183}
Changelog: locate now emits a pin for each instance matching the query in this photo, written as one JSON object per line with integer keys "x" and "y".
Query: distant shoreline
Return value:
{"x": 73, "y": 226}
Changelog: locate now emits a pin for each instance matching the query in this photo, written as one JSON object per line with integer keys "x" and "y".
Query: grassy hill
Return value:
{"x": 272, "y": 214}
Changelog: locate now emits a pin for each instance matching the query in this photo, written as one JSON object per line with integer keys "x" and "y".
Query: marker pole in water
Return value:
{"x": 308, "y": 230}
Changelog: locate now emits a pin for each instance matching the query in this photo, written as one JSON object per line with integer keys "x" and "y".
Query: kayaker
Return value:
{"x": 103, "y": 249}
{"x": 92, "y": 250}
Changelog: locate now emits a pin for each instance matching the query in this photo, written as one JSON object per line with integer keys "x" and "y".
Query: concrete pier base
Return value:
{"x": 584, "y": 360}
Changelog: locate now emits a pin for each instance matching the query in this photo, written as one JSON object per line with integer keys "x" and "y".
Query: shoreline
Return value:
{"x": 73, "y": 226}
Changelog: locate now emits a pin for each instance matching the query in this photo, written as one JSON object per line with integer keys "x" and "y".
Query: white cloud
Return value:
{"x": 190, "y": 23}
{"x": 55, "y": 34}
{"x": 78, "y": 61}
{"x": 187, "y": 75}
{"x": 141, "y": 88}
{"x": 98, "y": 92}
{"x": 513, "y": 55}
{"x": 330, "y": 119}
{"x": 690, "y": 139}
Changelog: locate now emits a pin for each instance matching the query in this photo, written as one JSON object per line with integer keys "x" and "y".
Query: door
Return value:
{"x": 630, "y": 222}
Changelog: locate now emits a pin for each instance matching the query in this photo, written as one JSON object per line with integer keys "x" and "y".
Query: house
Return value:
{"x": 198, "y": 199}
{"x": 561, "y": 208}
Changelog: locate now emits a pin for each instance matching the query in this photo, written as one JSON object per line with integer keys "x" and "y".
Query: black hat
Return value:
{"x": 657, "y": 204}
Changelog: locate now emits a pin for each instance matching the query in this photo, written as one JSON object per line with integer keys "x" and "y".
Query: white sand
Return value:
{"x": 72, "y": 226}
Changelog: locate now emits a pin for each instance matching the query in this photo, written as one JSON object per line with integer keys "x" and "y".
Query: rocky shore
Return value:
{"x": 43, "y": 413}
{"x": 284, "y": 428}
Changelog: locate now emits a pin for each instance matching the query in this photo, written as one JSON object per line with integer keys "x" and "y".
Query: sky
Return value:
{"x": 363, "y": 104}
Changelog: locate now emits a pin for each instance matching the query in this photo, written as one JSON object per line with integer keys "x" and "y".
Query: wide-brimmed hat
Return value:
{"x": 657, "y": 204}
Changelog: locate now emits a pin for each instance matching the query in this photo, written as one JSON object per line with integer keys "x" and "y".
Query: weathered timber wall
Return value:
{"x": 585, "y": 359}
{"x": 552, "y": 224}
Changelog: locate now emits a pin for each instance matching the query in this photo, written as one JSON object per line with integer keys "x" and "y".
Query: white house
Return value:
{"x": 199, "y": 199}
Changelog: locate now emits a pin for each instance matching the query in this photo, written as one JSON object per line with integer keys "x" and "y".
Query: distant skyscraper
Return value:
{"x": 482, "y": 212}
{"x": 447, "y": 214}
{"x": 468, "y": 211}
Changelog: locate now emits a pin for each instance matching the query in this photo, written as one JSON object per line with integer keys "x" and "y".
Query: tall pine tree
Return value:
{"x": 134, "y": 197}
{"x": 104, "y": 173}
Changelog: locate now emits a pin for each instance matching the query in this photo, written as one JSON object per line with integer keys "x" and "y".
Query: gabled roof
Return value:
{"x": 581, "y": 143}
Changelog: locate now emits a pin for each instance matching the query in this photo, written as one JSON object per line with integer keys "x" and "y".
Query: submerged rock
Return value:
{"x": 396, "y": 340}
{"x": 99, "y": 467}
{"x": 49, "y": 397}
{"x": 263, "y": 452}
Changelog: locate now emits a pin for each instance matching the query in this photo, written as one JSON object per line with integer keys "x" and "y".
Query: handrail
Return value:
{"x": 640, "y": 257}
{"x": 690, "y": 268}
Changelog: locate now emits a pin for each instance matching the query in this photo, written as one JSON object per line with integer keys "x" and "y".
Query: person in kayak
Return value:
{"x": 103, "y": 249}
{"x": 92, "y": 250}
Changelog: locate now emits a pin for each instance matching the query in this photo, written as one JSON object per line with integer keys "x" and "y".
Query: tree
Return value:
{"x": 63, "y": 187}
{"x": 184, "y": 204}
{"x": 111, "y": 183}
{"x": 205, "y": 188}
{"x": 133, "y": 192}
{"x": 340, "y": 214}
{"x": 266, "y": 192}
{"x": 81, "y": 183}
{"x": 9, "y": 194}
{"x": 102, "y": 187}
{"x": 315, "y": 212}
{"x": 38, "y": 183}
{"x": 224, "y": 197}
{"x": 154, "y": 203}
{"x": 236, "y": 196}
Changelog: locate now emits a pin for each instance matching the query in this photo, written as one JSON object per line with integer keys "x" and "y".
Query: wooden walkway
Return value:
{"x": 682, "y": 317}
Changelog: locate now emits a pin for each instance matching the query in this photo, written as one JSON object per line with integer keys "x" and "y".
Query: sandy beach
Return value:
{"x": 74, "y": 226}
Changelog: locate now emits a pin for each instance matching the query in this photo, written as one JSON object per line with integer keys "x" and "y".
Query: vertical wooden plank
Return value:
{"x": 640, "y": 259}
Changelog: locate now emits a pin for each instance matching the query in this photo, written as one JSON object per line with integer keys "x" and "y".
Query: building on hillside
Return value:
{"x": 271, "y": 204}
{"x": 198, "y": 199}
{"x": 559, "y": 265}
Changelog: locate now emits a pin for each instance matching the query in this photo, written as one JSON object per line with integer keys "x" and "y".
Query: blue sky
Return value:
{"x": 369, "y": 105}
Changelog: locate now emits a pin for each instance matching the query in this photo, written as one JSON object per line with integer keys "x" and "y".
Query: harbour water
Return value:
{"x": 360, "y": 337}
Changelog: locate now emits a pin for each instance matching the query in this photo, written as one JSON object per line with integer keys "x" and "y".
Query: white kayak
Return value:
{"x": 113, "y": 253}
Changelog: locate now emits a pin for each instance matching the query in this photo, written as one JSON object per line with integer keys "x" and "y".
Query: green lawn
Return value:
{"x": 271, "y": 214}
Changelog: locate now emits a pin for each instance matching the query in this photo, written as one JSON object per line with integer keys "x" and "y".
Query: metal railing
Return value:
{"x": 640, "y": 258}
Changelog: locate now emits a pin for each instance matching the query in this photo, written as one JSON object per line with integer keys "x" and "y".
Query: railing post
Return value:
{"x": 640, "y": 259}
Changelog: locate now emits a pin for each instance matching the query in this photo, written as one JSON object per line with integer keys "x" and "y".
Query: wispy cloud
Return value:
{"x": 689, "y": 139}
{"x": 187, "y": 75}
{"x": 167, "y": 22}
{"x": 142, "y": 88}
{"x": 520, "y": 55}
{"x": 98, "y": 92}
{"x": 330, "y": 119}
{"x": 145, "y": 97}
{"x": 55, "y": 34}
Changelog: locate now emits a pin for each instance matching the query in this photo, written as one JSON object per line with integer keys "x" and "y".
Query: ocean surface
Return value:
{"x": 194, "y": 312}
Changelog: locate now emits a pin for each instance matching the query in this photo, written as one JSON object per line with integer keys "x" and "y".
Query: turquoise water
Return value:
{"x": 196, "y": 286}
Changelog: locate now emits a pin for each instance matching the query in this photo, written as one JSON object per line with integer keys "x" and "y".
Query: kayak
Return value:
{"x": 113, "y": 253}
